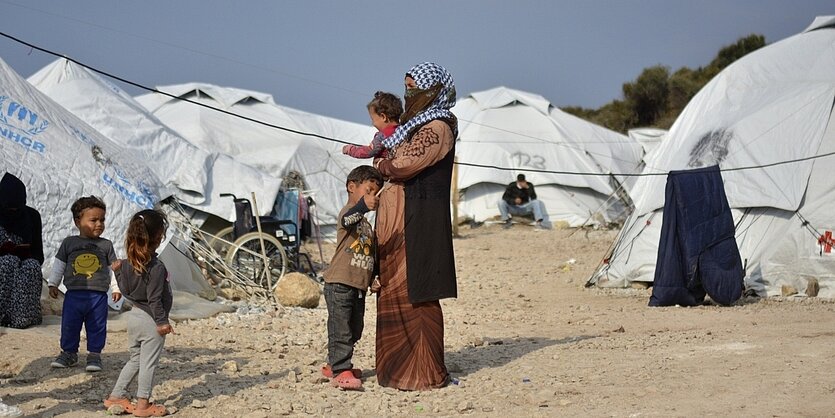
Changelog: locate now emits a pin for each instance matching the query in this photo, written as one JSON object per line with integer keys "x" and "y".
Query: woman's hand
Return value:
{"x": 116, "y": 296}
{"x": 53, "y": 292}
{"x": 116, "y": 265}
{"x": 371, "y": 201}
{"x": 165, "y": 329}
{"x": 375, "y": 285}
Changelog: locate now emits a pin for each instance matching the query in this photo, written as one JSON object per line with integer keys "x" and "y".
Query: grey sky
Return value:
{"x": 329, "y": 57}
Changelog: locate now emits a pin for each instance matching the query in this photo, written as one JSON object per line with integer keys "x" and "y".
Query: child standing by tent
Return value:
{"x": 385, "y": 110}
{"x": 83, "y": 263}
{"x": 144, "y": 280}
{"x": 349, "y": 275}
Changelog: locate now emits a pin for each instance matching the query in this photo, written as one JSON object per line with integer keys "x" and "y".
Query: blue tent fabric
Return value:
{"x": 697, "y": 253}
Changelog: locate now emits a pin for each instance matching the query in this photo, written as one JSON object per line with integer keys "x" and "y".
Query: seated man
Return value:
{"x": 520, "y": 199}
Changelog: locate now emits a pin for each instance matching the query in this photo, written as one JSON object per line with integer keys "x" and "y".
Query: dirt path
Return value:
{"x": 524, "y": 336}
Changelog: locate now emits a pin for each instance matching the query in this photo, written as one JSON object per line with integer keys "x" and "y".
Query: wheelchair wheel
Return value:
{"x": 219, "y": 246}
{"x": 252, "y": 266}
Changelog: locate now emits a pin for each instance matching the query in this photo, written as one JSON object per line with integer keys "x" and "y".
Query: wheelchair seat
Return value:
{"x": 244, "y": 222}
{"x": 286, "y": 232}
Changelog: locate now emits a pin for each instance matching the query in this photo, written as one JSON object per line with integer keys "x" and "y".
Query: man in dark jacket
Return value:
{"x": 519, "y": 198}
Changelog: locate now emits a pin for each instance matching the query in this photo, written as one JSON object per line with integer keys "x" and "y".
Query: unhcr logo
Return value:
{"x": 137, "y": 198}
{"x": 119, "y": 181}
{"x": 20, "y": 125}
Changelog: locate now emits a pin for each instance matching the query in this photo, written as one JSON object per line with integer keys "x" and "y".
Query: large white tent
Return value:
{"x": 275, "y": 151}
{"x": 772, "y": 106}
{"x": 61, "y": 158}
{"x": 502, "y": 127}
{"x": 196, "y": 176}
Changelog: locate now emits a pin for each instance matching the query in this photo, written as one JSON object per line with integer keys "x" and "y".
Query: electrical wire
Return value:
{"x": 326, "y": 138}
{"x": 153, "y": 90}
{"x": 246, "y": 64}
{"x": 181, "y": 47}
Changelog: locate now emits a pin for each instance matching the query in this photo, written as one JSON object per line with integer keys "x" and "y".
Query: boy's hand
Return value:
{"x": 346, "y": 148}
{"x": 53, "y": 292}
{"x": 116, "y": 265}
{"x": 116, "y": 296}
{"x": 165, "y": 329}
{"x": 375, "y": 285}
{"x": 371, "y": 201}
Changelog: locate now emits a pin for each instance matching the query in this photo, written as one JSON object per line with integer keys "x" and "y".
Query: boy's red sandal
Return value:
{"x": 327, "y": 372}
{"x": 347, "y": 381}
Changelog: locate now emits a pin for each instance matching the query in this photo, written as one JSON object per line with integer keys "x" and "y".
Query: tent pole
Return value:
{"x": 455, "y": 197}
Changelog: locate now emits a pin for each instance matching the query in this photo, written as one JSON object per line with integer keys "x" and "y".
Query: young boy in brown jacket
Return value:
{"x": 349, "y": 275}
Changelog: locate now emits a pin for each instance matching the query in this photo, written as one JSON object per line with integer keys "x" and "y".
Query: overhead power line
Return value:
{"x": 181, "y": 47}
{"x": 326, "y": 138}
{"x": 575, "y": 145}
{"x": 151, "y": 89}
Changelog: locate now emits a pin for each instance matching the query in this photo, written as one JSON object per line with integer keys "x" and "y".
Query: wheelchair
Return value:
{"x": 281, "y": 245}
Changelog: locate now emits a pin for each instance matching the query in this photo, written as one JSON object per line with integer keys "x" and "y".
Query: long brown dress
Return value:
{"x": 410, "y": 336}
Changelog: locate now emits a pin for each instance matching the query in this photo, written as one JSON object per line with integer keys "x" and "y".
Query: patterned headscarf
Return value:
{"x": 427, "y": 76}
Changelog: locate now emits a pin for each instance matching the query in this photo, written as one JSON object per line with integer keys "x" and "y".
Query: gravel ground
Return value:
{"x": 524, "y": 336}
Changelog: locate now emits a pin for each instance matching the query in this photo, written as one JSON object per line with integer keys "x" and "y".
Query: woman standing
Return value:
{"x": 414, "y": 232}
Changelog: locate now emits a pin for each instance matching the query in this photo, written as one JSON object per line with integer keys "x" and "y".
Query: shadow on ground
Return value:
{"x": 85, "y": 391}
{"x": 498, "y": 352}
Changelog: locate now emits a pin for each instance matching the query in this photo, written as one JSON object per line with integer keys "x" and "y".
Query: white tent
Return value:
{"x": 275, "y": 151}
{"x": 771, "y": 106}
{"x": 196, "y": 176}
{"x": 649, "y": 138}
{"x": 60, "y": 158}
{"x": 502, "y": 127}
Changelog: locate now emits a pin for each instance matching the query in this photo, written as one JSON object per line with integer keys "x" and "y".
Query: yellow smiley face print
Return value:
{"x": 86, "y": 264}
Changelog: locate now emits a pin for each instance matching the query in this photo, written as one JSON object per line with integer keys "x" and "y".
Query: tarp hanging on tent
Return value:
{"x": 197, "y": 177}
{"x": 511, "y": 128}
{"x": 697, "y": 252}
{"x": 275, "y": 151}
{"x": 771, "y": 106}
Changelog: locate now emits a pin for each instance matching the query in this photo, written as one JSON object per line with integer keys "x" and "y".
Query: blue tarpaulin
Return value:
{"x": 288, "y": 208}
{"x": 697, "y": 253}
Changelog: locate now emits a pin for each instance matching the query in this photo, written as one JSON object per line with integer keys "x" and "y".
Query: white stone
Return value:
{"x": 296, "y": 289}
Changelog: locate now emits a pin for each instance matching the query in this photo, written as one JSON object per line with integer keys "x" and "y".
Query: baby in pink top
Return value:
{"x": 385, "y": 110}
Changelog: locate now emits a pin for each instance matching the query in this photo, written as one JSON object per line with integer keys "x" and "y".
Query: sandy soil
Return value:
{"x": 525, "y": 337}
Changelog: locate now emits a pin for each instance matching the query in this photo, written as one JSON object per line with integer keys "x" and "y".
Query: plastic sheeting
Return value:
{"x": 195, "y": 176}
{"x": 772, "y": 105}
{"x": 782, "y": 213}
{"x": 277, "y": 152}
{"x": 60, "y": 158}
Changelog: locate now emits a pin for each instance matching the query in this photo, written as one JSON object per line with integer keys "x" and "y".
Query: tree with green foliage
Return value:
{"x": 656, "y": 98}
{"x": 647, "y": 95}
